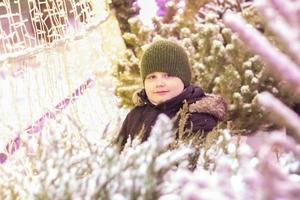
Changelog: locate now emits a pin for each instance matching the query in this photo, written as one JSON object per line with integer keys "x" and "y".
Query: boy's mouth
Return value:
{"x": 161, "y": 92}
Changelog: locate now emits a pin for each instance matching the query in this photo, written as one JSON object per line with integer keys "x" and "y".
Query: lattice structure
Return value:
{"x": 28, "y": 23}
{"x": 54, "y": 61}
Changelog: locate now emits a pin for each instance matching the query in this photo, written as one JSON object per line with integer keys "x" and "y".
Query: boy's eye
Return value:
{"x": 150, "y": 77}
{"x": 166, "y": 75}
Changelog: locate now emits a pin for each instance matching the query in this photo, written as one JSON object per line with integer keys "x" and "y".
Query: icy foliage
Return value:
{"x": 256, "y": 41}
{"x": 64, "y": 162}
{"x": 60, "y": 164}
{"x": 281, "y": 113}
{"x": 241, "y": 173}
{"x": 124, "y": 9}
{"x": 284, "y": 65}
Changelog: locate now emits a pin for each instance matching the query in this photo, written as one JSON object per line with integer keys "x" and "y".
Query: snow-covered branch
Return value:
{"x": 280, "y": 113}
{"x": 279, "y": 63}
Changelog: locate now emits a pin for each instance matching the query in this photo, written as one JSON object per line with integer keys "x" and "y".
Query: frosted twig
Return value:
{"x": 281, "y": 65}
{"x": 281, "y": 113}
{"x": 283, "y": 15}
{"x": 284, "y": 142}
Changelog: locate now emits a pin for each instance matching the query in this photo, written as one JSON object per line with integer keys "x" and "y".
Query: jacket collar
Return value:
{"x": 200, "y": 103}
{"x": 190, "y": 93}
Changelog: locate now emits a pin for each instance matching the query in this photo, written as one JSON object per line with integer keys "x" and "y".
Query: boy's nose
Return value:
{"x": 160, "y": 82}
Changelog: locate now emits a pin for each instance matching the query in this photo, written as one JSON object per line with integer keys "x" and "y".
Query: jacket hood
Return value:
{"x": 211, "y": 104}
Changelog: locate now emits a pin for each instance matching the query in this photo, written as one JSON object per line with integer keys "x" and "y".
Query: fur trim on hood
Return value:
{"x": 211, "y": 104}
{"x": 137, "y": 101}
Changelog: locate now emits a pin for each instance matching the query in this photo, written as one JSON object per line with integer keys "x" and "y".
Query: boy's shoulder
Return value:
{"x": 137, "y": 109}
{"x": 212, "y": 104}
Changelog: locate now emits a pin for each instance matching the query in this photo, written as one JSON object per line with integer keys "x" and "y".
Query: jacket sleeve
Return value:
{"x": 202, "y": 122}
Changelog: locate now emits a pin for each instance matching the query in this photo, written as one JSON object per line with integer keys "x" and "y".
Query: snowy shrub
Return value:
{"x": 64, "y": 162}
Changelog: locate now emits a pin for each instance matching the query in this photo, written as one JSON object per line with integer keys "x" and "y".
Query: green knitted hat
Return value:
{"x": 166, "y": 56}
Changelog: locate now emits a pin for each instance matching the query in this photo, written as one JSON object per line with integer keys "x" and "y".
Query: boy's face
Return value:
{"x": 160, "y": 87}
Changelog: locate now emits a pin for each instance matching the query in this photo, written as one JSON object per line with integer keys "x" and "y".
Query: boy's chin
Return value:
{"x": 159, "y": 101}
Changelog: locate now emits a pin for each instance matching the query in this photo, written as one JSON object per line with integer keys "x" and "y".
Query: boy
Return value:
{"x": 166, "y": 75}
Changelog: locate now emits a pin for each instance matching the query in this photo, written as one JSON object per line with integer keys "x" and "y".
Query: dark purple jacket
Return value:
{"x": 204, "y": 113}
